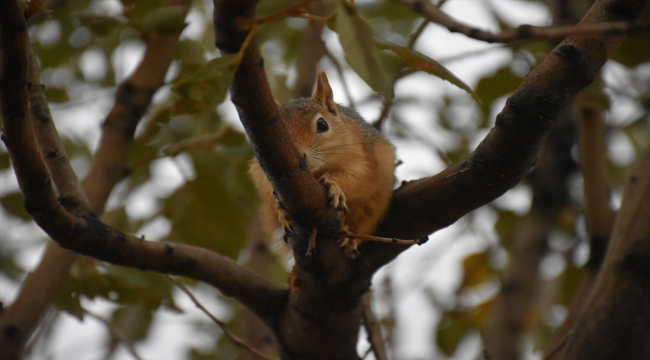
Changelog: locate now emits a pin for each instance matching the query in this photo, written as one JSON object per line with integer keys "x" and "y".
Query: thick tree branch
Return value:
{"x": 510, "y": 149}
{"x": 615, "y": 323}
{"x": 325, "y": 303}
{"x": 525, "y": 32}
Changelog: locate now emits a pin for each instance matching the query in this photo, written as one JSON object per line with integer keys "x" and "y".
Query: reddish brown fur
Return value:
{"x": 354, "y": 155}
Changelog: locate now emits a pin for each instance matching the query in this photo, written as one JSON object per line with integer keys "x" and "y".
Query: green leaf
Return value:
{"x": 490, "y": 88}
{"x": 100, "y": 25}
{"x": 5, "y": 162}
{"x": 56, "y": 95}
{"x": 356, "y": 37}
{"x": 207, "y": 86}
{"x": 476, "y": 270}
{"x": 118, "y": 219}
{"x": 422, "y": 62}
{"x": 134, "y": 321}
{"x": 13, "y": 203}
{"x": 67, "y": 298}
{"x": 8, "y": 265}
{"x": 166, "y": 20}
{"x": 212, "y": 211}
{"x": 199, "y": 142}
{"x": 451, "y": 330}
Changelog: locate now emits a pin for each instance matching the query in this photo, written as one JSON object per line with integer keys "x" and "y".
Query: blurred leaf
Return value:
{"x": 422, "y": 62}
{"x": 490, "y": 88}
{"x": 100, "y": 25}
{"x": 400, "y": 19}
{"x": 13, "y": 203}
{"x": 67, "y": 298}
{"x": 213, "y": 210}
{"x": 121, "y": 285}
{"x": 593, "y": 94}
{"x": 56, "y": 95}
{"x": 5, "y": 161}
{"x": 199, "y": 142}
{"x": 571, "y": 278}
{"x": 635, "y": 50}
{"x": 8, "y": 265}
{"x": 451, "y": 330}
{"x": 134, "y": 321}
{"x": 356, "y": 37}
{"x": 139, "y": 9}
{"x": 637, "y": 132}
{"x": 118, "y": 219}
{"x": 76, "y": 148}
{"x": 191, "y": 55}
{"x": 476, "y": 270}
{"x": 165, "y": 20}
{"x": 506, "y": 223}
{"x": 454, "y": 325}
{"x": 207, "y": 86}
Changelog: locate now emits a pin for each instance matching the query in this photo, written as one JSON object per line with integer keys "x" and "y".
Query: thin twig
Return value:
{"x": 350, "y": 235}
{"x": 236, "y": 340}
{"x": 524, "y": 32}
{"x": 117, "y": 332}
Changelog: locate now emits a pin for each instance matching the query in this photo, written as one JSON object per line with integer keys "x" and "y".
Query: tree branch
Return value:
{"x": 615, "y": 322}
{"x": 525, "y": 32}
{"x": 510, "y": 149}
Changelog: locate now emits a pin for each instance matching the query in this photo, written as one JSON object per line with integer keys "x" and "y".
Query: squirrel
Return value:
{"x": 351, "y": 159}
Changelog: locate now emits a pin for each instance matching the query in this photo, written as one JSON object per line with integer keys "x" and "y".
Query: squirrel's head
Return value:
{"x": 318, "y": 128}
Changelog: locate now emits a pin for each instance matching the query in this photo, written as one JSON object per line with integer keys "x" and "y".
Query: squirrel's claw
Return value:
{"x": 285, "y": 218}
{"x": 350, "y": 246}
{"x": 335, "y": 196}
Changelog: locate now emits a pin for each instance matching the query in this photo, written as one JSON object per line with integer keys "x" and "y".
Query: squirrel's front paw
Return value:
{"x": 350, "y": 246}
{"x": 335, "y": 196}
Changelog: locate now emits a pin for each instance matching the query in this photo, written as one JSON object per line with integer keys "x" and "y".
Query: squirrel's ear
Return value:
{"x": 323, "y": 94}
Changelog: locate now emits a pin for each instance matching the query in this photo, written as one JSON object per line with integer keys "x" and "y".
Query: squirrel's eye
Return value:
{"x": 322, "y": 125}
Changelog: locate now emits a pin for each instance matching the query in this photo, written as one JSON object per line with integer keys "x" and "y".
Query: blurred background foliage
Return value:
{"x": 188, "y": 181}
